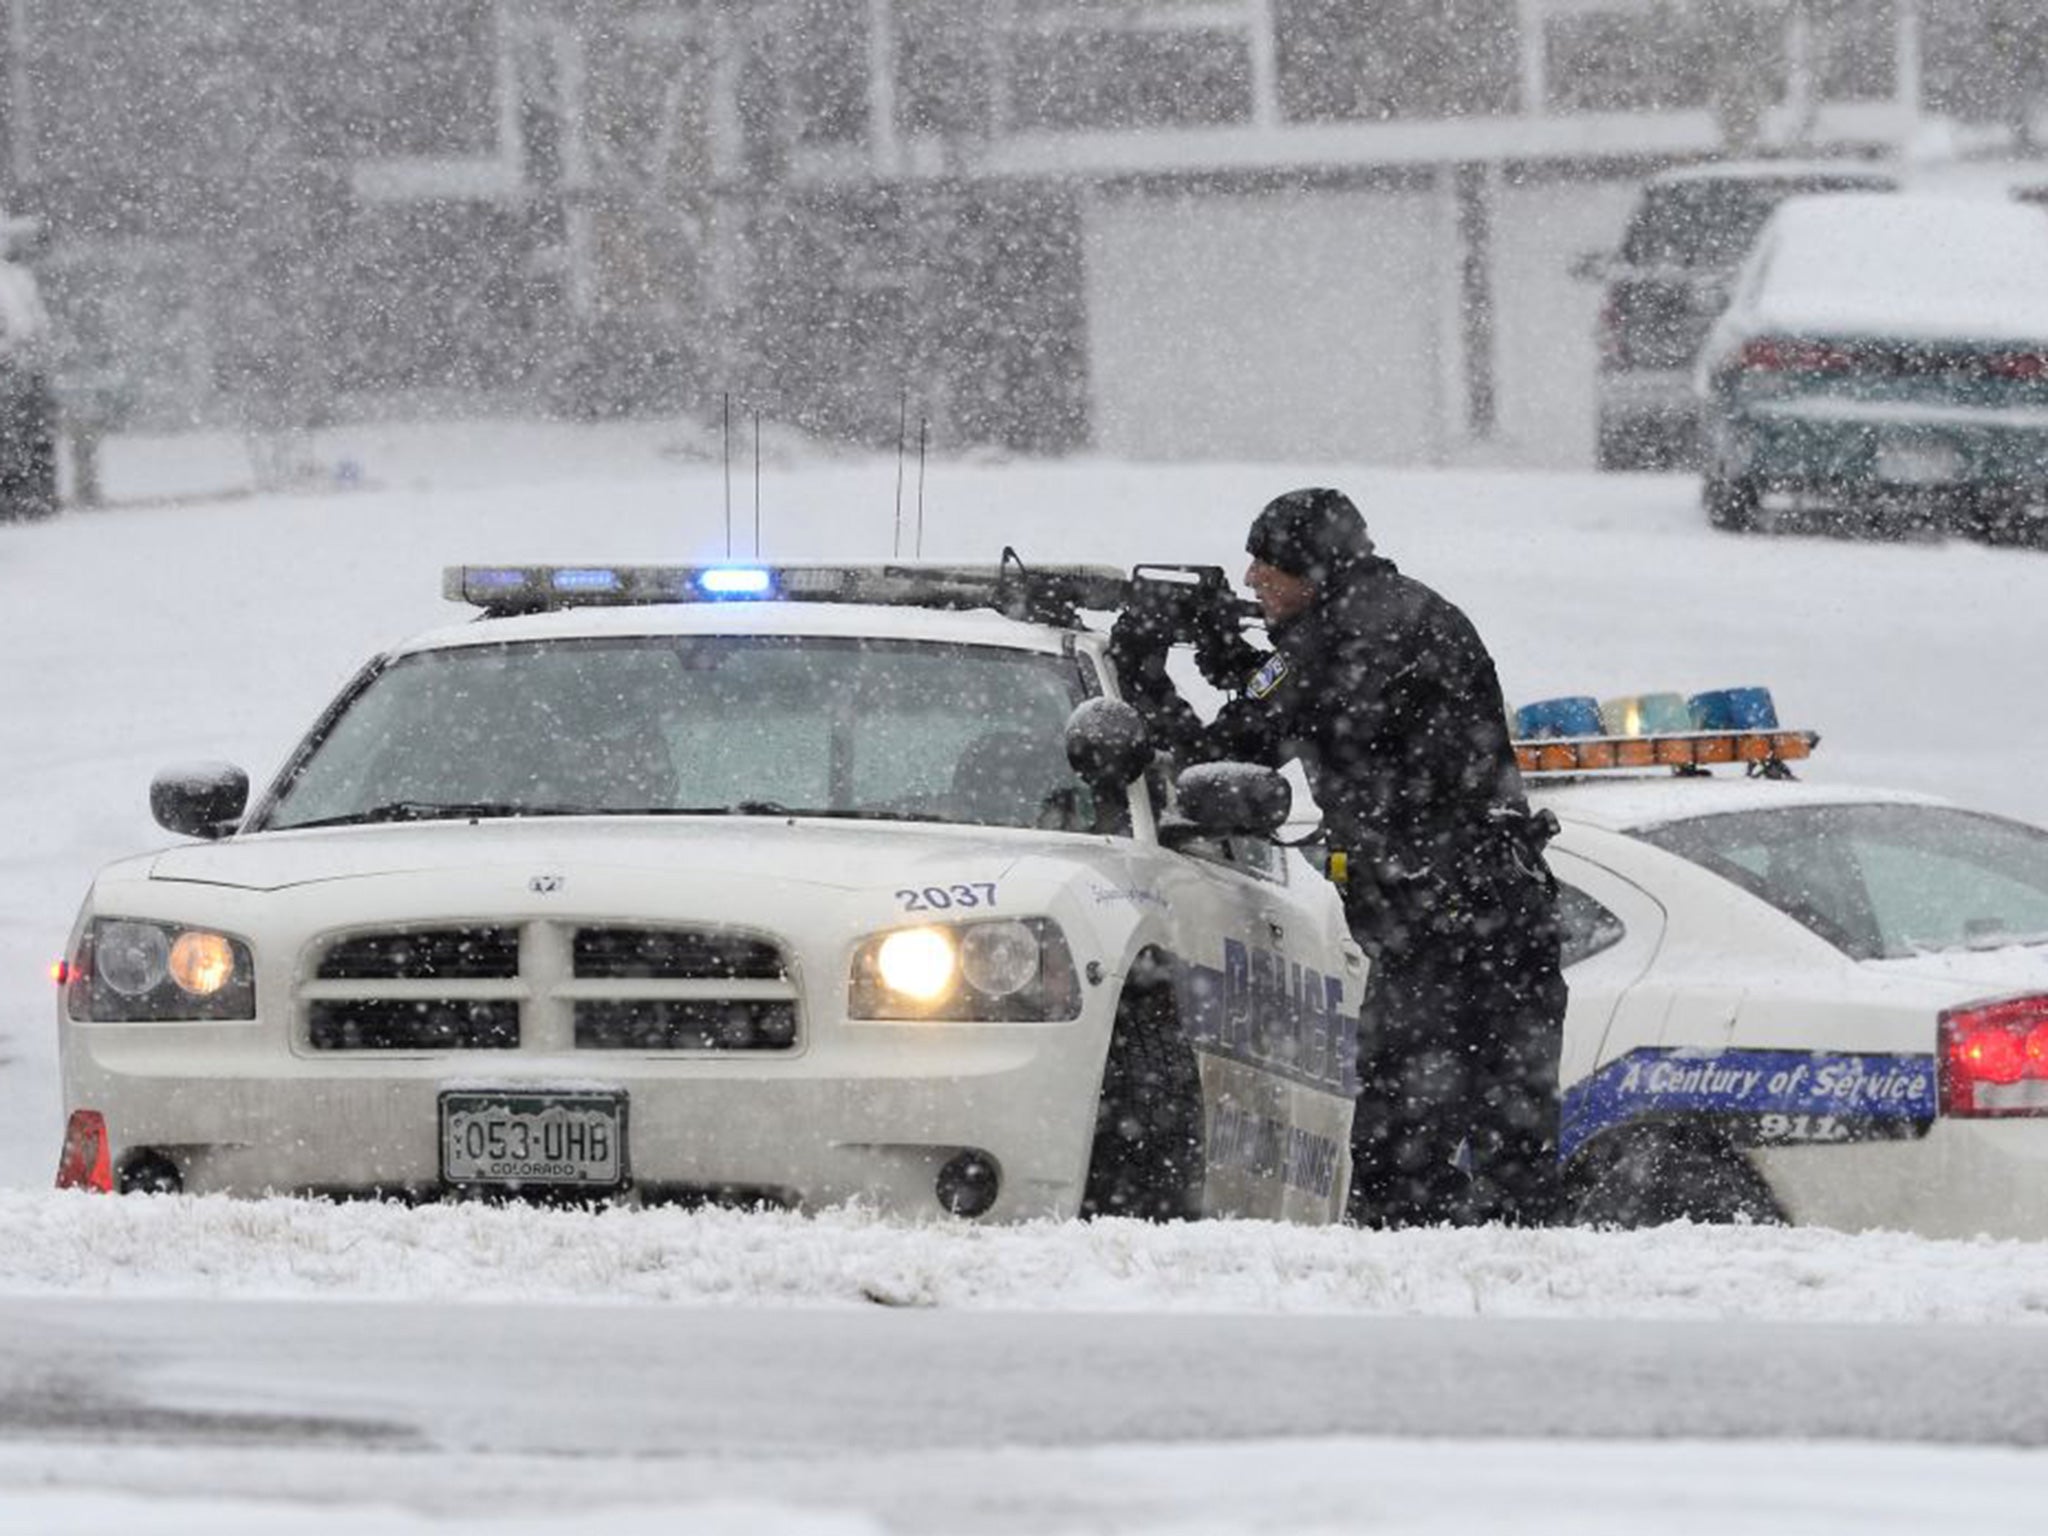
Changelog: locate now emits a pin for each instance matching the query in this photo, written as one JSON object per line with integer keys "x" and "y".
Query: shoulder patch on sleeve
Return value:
{"x": 1267, "y": 678}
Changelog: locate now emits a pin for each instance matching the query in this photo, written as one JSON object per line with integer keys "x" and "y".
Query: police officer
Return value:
{"x": 1384, "y": 693}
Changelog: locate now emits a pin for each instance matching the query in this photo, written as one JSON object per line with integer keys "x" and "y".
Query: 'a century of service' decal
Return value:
{"x": 1770, "y": 1095}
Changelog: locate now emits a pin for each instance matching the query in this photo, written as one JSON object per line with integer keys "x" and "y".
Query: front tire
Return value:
{"x": 1148, "y": 1156}
{"x": 28, "y": 454}
{"x": 1655, "y": 1175}
{"x": 1731, "y": 505}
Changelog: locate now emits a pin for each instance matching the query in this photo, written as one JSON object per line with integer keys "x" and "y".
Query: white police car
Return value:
{"x": 797, "y": 886}
{"x": 1789, "y": 1001}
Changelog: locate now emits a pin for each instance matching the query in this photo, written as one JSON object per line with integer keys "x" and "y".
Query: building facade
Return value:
{"x": 1250, "y": 228}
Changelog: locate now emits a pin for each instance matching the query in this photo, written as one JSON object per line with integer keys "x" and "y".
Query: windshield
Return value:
{"x": 1881, "y": 881}
{"x": 710, "y": 725}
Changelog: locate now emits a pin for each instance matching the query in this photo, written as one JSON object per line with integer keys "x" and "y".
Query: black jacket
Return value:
{"x": 1385, "y": 694}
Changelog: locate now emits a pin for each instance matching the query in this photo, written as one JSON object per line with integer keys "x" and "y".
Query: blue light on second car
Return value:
{"x": 736, "y": 581}
{"x": 1578, "y": 715}
{"x": 1734, "y": 709}
{"x": 593, "y": 578}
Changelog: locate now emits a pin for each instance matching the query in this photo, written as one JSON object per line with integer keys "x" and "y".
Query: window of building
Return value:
{"x": 827, "y": 58}
{"x": 1082, "y": 66}
{"x": 1855, "y": 49}
{"x": 411, "y": 79}
{"x": 1339, "y": 61}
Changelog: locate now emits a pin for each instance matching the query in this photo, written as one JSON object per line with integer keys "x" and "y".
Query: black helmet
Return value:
{"x": 1315, "y": 532}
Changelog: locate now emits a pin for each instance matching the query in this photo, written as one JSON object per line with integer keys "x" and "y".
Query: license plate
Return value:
{"x": 555, "y": 1138}
{"x": 1917, "y": 461}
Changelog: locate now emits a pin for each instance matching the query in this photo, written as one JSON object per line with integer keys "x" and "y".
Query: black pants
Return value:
{"x": 1458, "y": 1055}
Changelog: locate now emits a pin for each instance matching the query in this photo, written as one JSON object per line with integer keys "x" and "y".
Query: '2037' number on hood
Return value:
{"x": 943, "y": 898}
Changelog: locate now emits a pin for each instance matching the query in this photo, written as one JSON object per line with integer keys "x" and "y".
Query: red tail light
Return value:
{"x": 1778, "y": 354}
{"x": 2017, "y": 365}
{"x": 1613, "y": 345}
{"x": 1994, "y": 1058}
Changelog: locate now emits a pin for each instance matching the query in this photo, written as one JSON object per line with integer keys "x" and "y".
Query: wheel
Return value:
{"x": 1619, "y": 445}
{"x": 1647, "y": 1177}
{"x": 28, "y": 454}
{"x": 1148, "y": 1155}
{"x": 1731, "y": 504}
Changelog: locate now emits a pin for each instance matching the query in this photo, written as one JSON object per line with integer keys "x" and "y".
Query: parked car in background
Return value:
{"x": 1666, "y": 283}
{"x": 1884, "y": 357}
{"x": 1790, "y": 1002}
{"x": 28, "y": 403}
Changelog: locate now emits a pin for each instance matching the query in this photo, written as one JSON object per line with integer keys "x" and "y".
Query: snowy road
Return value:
{"x": 717, "y": 1386}
{"x": 942, "y": 1422}
{"x": 174, "y": 1367}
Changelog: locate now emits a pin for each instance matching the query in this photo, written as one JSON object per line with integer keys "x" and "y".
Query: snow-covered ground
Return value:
{"x": 193, "y": 618}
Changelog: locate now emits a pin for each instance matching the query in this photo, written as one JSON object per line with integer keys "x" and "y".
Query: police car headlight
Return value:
{"x": 129, "y": 969}
{"x": 917, "y": 963}
{"x": 1005, "y": 969}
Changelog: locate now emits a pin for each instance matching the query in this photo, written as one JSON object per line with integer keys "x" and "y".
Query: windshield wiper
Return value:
{"x": 811, "y": 812}
{"x": 1997, "y": 938}
{"x": 433, "y": 810}
{"x": 479, "y": 810}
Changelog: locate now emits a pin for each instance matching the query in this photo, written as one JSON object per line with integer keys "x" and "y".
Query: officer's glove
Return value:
{"x": 1224, "y": 657}
{"x": 1139, "y": 640}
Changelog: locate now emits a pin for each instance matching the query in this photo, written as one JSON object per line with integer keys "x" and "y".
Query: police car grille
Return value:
{"x": 546, "y": 986}
{"x": 422, "y": 954}
{"x": 676, "y": 954}
{"x": 685, "y": 1024}
{"x": 681, "y": 989}
{"x": 413, "y": 1024}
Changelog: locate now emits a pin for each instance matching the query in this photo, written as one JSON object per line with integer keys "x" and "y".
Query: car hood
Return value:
{"x": 819, "y": 853}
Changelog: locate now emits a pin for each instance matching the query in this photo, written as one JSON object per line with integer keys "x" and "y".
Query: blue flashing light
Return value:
{"x": 1734, "y": 709}
{"x": 592, "y": 578}
{"x": 736, "y": 581}
{"x": 495, "y": 579}
{"x": 1574, "y": 716}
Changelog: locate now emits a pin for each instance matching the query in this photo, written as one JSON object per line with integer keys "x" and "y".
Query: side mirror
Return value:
{"x": 1592, "y": 266}
{"x": 21, "y": 238}
{"x": 1222, "y": 798}
{"x": 199, "y": 799}
{"x": 1108, "y": 743}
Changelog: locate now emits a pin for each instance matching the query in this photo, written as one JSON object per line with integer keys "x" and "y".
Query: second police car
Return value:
{"x": 795, "y": 886}
{"x": 1789, "y": 1001}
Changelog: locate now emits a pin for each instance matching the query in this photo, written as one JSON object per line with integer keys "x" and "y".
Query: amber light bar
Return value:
{"x": 1686, "y": 749}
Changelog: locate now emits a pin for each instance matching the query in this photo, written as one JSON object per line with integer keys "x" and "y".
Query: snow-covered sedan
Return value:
{"x": 794, "y": 886}
{"x": 1884, "y": 356}
{"x": 1793, "y": 1001}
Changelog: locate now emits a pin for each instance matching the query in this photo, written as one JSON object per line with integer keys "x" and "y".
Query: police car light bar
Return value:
{"x": 1657, "y": 730}
{"x": 1042, "y": 593}
{"x": 1688, "y": 750}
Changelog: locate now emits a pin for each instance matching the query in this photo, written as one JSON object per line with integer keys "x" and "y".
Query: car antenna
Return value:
{"x": 922, "y": 423}
{"x": 902, "y": 415}
{"x": 727, "y": 439}
{"x": 757, "y": 484}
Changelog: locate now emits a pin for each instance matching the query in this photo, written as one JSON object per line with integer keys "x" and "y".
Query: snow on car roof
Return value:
{"x": 1626, "y": 803}
{"x": 1904, "y": 265}
{"x": 957, "y": 627}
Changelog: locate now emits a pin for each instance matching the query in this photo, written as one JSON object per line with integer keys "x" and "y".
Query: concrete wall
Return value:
{"x": 1324, "y": 324}
{"x": 1545, "y": 341}
{"x": 1239, "y": 325}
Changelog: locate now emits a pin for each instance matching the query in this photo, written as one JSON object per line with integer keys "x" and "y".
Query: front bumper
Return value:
{"x": 289, "y": 1102}
{"x": 868, "y": 1112}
